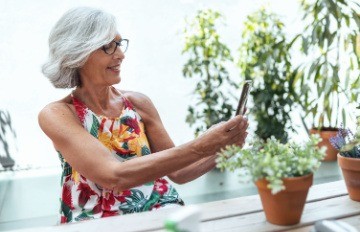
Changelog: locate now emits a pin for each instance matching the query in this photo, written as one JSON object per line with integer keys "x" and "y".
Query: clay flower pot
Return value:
{"x": 331, "y": 152}
{"x": 351, "y": 171}
{"x": 285, "y": 207}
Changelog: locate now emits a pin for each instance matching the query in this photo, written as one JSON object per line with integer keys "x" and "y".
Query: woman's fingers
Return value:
{"x": 239, "y": 140}
{"x": 234, "y": 123}
{"x": 238, "y": 132}
{"x": 239, "y": 128}
{"x": 218, "y": 136}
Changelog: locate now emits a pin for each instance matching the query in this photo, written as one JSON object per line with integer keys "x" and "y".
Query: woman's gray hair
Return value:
{"x": 78, "y": 33}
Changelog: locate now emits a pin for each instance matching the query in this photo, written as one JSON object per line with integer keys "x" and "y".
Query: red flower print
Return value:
{"x": 132, "y": 123}
{"x": 80, "y": 109}
{"x": 97, "y": 208}
{"x": 161, "y": 186}
{"x": 156, "y": 206}
{"x": 102, "y": 124}
{"x": 108, "y": 200}
{"x": 122, "y": 196}
{"x": 109, "y": 213}
{"x": 66, "y": 196}
{"x": 67, "y": 178}
{"x": 63, "y": 219}
{"x": 85, "y": 193}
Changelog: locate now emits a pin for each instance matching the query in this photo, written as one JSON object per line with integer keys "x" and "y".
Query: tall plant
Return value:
{"x": 207, "y": 65}
{"x": 265, "y": 59}
{"x": 330, "y": 79}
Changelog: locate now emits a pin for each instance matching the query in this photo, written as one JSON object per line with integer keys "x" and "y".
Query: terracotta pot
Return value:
{"x": 331, "y": 151}
{"x": 351, "y": 171}
{"x": 285, "y": 207}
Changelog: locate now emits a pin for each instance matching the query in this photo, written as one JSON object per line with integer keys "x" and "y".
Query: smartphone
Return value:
{"x": 243, "y": 97}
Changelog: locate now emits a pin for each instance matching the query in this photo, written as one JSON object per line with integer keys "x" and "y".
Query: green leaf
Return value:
{"x": 84, "y": 216}
{"x": 94, "y": 127}
{"x": 356, "y": 18}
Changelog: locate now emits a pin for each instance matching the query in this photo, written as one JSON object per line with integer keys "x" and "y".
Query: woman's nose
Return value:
{"x": 119, "y": 54}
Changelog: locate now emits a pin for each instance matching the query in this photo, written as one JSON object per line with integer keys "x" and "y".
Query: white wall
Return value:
{"x": 153, "y": 62}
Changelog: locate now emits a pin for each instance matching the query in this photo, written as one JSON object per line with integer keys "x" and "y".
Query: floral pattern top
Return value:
{"x": 125, "y": 137}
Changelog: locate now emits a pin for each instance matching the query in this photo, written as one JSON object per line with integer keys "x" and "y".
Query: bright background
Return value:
{"x": 153, "y": 66}
{"x": 153, "y": 63}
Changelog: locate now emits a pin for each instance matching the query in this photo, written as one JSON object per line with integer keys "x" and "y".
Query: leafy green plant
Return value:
{"x": 265, "y": 59}
{"x": 272, "y": 160}
{"x": 5, "y": 127}
{"x": 207, "y": 65}
{"x": 330, "y": 77}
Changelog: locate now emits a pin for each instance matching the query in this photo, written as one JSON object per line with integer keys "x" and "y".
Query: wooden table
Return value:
{"x": 324, "y": 201}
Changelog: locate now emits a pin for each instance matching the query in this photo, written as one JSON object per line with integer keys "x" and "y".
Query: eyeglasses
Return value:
{"x": 111, "y": 47}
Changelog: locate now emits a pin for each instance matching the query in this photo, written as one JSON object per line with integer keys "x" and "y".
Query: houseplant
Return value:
{"x": 264, "y": 57}
{"x": 329, "y": 72}
{"x": 206, "y": 64}
{"x": 283, "y": 174}
{"x": 348, "y": 145}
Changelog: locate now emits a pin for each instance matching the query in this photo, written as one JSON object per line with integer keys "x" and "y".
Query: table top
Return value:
{"x": 324, "y": 201}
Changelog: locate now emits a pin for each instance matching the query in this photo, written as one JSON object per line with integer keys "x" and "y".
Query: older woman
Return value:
{"x": 96, "y": 128}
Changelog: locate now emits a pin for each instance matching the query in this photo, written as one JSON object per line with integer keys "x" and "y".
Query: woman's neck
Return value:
{"x": 104, "y": 100}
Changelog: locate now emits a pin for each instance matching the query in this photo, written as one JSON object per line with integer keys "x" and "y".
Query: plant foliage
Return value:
{"x": 206, "y": 64}
{"x": 330, "y": 80}
{"x": 273, "y": 160}
{"x": 265, "y": 59}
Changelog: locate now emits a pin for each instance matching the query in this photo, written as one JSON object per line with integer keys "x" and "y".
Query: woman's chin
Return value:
{"x": 116, "y": 80}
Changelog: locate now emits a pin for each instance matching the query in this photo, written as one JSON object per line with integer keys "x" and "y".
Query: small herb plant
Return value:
{"x": 346, "y": 142}
{"x": 272, "y": 160}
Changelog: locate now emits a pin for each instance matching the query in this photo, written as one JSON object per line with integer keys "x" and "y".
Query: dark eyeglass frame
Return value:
{"x": 118, "y": 44}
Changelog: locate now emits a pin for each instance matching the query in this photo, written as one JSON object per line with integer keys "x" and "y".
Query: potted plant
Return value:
{"x": 283, "y": 174}
{"x": 265, "y": 59}
{"x": 348, "y": 145}
{"x": 329, "y": 71}
{"x": 208, "y": 58}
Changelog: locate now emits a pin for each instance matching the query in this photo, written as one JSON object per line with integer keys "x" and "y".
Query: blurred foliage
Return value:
{"x": 206, "y": 64}
{"x": 325, "y": 83}
{"x": 6, "y": 128}
{"x": 331, "y": 40}
{"x": 264, "y": 58}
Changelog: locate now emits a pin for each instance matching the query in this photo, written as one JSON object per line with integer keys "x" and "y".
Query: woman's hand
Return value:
{"x": 221, "y": 135}
{"x": 208, "y": 144}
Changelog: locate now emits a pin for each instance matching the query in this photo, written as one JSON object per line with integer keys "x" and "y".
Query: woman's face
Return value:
{"x": 101, "y": 68}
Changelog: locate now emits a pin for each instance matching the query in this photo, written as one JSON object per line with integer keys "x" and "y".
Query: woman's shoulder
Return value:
{"x": 60, "y": 107}
{"x": 139, "y": 100}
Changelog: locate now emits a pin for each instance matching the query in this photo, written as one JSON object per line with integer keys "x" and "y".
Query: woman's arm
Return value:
{"x": 194, "y": 170}
{"x": 160, "y": 140}
{"x": 89, "y": 157}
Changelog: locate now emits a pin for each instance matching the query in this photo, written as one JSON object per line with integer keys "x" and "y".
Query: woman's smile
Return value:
{"x": 115, "y": 68}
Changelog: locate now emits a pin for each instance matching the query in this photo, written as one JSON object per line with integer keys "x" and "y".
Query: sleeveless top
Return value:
{"x": 125, "y": 137}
